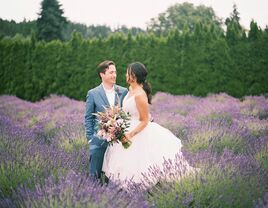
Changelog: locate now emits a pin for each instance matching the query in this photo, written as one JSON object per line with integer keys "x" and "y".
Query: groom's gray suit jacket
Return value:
{"x": 96, "y": 102}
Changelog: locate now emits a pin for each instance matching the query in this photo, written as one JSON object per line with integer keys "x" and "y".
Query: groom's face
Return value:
{"x": 109, "y": 76}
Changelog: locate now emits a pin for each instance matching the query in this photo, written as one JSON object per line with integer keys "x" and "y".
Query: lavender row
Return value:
{"x": 44, "y": 154}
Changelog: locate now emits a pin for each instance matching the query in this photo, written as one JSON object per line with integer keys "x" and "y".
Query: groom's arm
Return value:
{"x": 89, "y": 118}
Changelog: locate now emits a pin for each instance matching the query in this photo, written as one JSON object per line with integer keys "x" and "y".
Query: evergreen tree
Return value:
{"x": 235, "y": 31}
{"x": 11, "y": 28}
{"x": 51, "y": 23}
{"x": 254, "y": 31}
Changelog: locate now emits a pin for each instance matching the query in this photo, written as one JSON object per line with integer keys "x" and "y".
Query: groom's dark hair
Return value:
{"x": 103, "y": 66}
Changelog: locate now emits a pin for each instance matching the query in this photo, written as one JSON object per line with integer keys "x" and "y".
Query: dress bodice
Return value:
{"x": 129, "y": 105}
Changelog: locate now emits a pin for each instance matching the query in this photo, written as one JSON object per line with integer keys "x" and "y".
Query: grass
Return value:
{"x": 262, "y": 157}
{"x": 237, "y": 144}
{"x": 200, "y": 141}
{"x": 213, "y": 187}
{"x": 73, "y": 145}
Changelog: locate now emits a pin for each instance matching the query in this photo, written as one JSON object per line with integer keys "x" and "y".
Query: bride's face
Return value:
{"x": 129, "y": 77}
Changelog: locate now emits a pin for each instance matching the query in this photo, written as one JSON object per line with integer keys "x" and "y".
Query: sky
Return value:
{"x": 131, "y": 13}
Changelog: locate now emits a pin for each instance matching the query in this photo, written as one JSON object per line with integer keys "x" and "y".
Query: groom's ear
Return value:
{"x": 102, "y": 74}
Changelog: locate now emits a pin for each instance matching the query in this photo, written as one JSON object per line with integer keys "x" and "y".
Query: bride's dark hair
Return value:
{"x": 139, "y": 71}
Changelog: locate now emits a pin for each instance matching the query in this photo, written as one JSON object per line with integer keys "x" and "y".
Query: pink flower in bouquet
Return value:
{"x": 113, "y": 124}
{"x": 109, "y": 137}
{"x": 120, "y": 122}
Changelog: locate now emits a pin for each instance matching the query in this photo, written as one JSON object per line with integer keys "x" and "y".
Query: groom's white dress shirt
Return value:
{"x": 110, "y": 94}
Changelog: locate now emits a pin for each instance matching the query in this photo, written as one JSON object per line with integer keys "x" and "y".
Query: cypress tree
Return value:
{"x": 51, "y": 22}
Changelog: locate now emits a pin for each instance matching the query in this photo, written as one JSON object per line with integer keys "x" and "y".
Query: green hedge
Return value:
{"x": 185, "y": 63}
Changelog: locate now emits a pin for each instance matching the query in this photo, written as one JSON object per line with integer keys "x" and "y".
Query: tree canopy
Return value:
{"x": 185, "y": 15}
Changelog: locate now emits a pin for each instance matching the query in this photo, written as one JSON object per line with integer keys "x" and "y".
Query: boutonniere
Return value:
{"x": 117, "y": 90}
{"x": 117, "y": 94}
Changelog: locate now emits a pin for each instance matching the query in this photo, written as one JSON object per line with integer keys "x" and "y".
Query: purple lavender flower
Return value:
{"x": 44, "y": 154}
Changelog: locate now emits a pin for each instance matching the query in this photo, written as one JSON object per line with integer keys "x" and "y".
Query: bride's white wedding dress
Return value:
{"x": 151, "y": 147}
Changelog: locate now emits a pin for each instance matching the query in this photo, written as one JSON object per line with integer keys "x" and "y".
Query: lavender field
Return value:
{"x": 44, "y": 154}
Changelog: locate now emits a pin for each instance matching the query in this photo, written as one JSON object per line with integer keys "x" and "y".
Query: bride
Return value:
{"x": 151, "y": 144}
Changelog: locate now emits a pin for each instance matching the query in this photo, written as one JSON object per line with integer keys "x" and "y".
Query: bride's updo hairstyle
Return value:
{"x": 138, "y": 71}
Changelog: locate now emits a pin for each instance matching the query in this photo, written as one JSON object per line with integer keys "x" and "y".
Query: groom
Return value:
{"x": 105, "y": 95}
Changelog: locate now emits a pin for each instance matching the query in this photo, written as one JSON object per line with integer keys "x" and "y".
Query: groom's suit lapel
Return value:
{"x": 117, "y": 95}
{"x": 103, "y": 95}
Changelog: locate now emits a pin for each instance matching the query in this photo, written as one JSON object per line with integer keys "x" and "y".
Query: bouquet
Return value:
{"x": 113, "y": 124}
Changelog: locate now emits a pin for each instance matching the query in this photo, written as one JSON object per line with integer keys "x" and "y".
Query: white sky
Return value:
{"x": 137, "y": 13}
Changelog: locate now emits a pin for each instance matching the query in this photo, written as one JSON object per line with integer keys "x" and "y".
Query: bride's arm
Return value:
{"x": 143, "y": 108}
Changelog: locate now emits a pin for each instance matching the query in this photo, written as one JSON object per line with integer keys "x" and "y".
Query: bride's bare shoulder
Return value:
{"x": 141, "y": 95}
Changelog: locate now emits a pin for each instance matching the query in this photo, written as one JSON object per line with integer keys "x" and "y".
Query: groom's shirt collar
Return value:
{"x": 108, "y": 91}
{"x": 110, "y": 94}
